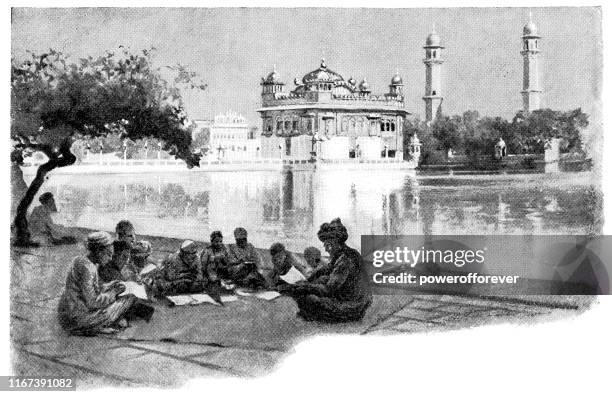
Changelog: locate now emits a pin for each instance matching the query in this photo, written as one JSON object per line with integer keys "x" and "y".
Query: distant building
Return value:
{"x": 327, "y": 117}
{"x": 433, "y": 76}
{"x": 531, "y": 67}
{"x": 230, "y": 138}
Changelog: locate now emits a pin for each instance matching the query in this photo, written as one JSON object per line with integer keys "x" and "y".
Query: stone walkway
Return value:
{"x": 40, "y": 348}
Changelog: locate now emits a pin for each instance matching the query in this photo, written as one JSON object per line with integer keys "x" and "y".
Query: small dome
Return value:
{"x": 433, "y": 40}
{"x": 530, "y": 29}
{"x": 323, "y": 74}
{"x": 273, "y": 78}
{"x": 352, "y": 81}
{"x": 364, "y": 86}
{"x": 397, "y": 80}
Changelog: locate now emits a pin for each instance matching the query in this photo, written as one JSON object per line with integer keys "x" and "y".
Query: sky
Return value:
{"x": 232, "y": 49}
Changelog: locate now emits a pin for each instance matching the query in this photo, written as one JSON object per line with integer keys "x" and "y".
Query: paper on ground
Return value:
{"x": 293, "y": 276}
{"x": 202, "y": 298}
{"x": 197, "y": 299}
{"x": 267, "y": 295}
{"x": 137, "y": 289}
{"x": 180, "y": 300}
{"x": 148, "y": 269}
{"x": 244, "y": 292}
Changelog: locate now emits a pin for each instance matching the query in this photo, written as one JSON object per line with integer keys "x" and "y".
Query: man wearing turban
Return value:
{"x": 338, "y": 291}
{"x": 86, "y": 307}
{"x": 181, "y": 272}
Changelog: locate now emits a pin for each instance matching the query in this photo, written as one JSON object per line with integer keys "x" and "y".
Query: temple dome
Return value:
{"x": 352, "y": 81}
{"x": 397, "y": 80}
{"x": 433, "y": 40}
{"x": 530, "y": 29}
{"x": 364, "y": 86}
{"x": 272, "y": 78}
{"x": 322, "y": 74}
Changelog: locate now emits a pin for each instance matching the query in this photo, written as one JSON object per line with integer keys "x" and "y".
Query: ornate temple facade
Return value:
{"x": 326, "y": 117}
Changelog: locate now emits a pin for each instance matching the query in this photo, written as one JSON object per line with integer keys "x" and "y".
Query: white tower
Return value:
{"x": 433, "y": 75}
{"x": 531, "y": 67}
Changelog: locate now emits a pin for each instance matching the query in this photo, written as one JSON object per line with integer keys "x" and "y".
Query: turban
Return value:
{"x": 333, "y": 230}
{"x": 98, "y": 239}
{"x": 141, "y": 248}
{"x": 189, "y": 247}
{"x": 240, "y": 232}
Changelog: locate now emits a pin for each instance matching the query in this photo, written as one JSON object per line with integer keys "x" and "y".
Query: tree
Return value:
{"x": 537, "y": 128}
{"x": 55, "y": 102}
{"x": 447, "y": 130}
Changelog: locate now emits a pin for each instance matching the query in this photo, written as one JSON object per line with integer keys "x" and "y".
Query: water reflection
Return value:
{"x": 289, "y": 206}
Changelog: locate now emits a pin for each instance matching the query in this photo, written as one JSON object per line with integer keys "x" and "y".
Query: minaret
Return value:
{"x": 531, "y": 67}
{"x": 433, "y": 75}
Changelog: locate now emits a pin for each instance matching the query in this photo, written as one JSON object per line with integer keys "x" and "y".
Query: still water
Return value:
{"x": 289, "y": 206}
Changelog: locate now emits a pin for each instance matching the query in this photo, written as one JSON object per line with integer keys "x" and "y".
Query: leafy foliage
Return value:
{"x": 54, "y": 102}
{"x": 473, "y": 135}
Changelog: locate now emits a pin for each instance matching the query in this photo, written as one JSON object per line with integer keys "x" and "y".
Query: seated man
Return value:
{"x": 44, "y": 231}
{"x": 180, "y": 273}
{"x": 141, "y": 250}
{"x": 139, "y": 255}
{"x": 282, "y": 262}
{"x": 339, "y": 291}
{"x": 86, "y": 307}
{"x": 244, "y": 260}
{"x": 313, "y": 259}
{"x": 113, "y": 270}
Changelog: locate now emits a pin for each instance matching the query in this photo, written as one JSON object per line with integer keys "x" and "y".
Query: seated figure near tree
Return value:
{"x": 180, "y": 273}
{"x": 338, "y": 291}
{"x": 42, "y": 228}
{"x": 88, "y": 307}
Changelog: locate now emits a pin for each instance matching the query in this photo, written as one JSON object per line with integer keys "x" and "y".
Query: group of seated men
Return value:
{"x": 337, "y": 291}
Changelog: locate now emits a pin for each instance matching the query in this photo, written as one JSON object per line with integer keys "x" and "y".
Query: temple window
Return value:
{"x": 295, "y": 125}
{"x": 287, "y": 125}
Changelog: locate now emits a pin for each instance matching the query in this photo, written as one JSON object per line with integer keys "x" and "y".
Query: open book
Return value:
{"x": 198, "y": 299}
{"x": 137, "y": 289}
{"x": 266, "y": 295}
{"x": 148, "y": 269}
{"x": 293, "y": 276}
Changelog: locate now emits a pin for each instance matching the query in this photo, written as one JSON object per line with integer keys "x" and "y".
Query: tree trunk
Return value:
{"x": 65, "y": 158}
{"x": 22, "y": 234}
